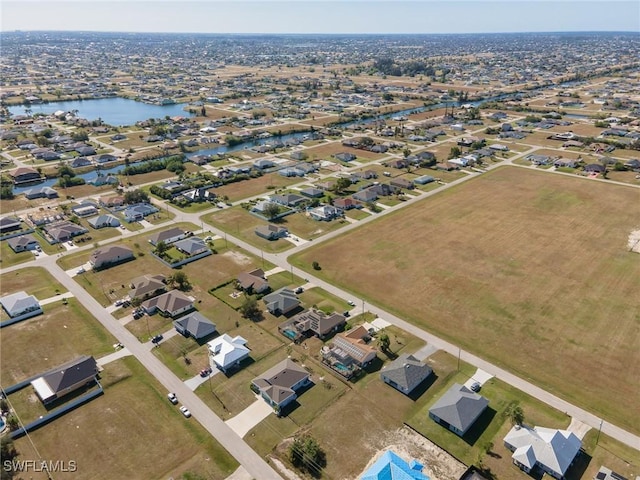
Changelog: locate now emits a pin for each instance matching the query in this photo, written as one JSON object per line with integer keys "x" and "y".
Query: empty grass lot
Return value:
{"x": 35, "y": 281}
{"x": 61, "y": 334}
{"x": 523, "y": 268}
{"x": 149, "y": 439}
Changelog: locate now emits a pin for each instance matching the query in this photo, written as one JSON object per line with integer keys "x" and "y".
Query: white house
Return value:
{"x": 20, "y": 303}
{"x": 552, "y": 451}
{"x": 226, "y": 352}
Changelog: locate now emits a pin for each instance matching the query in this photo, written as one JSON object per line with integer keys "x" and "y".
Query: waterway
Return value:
{"x": 113, "y": 111}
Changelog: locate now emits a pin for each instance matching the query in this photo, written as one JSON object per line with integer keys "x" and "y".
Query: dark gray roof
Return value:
{"x": 71, "y": 373}
{"x": 196, "y": 325}
{"x": 282, "y": 300}
{"x": 459, "y": 407}
{"x": 191, "y": 245}
{"x": 406, "y": 371}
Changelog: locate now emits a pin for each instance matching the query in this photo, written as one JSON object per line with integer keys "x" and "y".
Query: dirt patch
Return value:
{"x": 238, "y": 258}
{"x": 287, "y": 473}
{"x": 634, "y": 241}
{"x": 410, "y": 445}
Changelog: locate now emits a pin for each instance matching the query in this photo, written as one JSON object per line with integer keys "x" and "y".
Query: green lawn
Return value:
{"x": 119, "y": 425}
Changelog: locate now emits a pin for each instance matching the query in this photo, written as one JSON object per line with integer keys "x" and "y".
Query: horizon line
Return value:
{"x": 322, "y": 33}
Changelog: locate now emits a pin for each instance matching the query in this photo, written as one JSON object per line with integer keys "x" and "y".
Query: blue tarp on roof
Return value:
{"x": 391, "y": 467}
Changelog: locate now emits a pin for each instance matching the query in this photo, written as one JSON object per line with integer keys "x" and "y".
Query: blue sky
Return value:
{"x": 319, "y": 16}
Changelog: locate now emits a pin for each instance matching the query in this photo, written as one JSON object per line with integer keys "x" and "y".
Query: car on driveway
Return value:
{"x": 172, "y": 398}
{"x": 205, "y": 372}
{"x": 156, "y": 339}
{"x": 352, "y": 303}
{"x": 475, "y": 387}
{"x": 185, "y": 411}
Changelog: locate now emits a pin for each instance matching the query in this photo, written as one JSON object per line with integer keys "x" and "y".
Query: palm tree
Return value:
{"x": 515, "y": 414}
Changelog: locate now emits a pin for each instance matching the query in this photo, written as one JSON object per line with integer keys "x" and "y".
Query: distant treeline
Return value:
{"x": 411, "y": 68}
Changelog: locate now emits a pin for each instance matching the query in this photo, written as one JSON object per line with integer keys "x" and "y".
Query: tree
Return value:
{"x": 342, "y": 184}
{"x": 305, "y": 454}
{"x": 515, "y": 413}
{"x": 179, "y": 279}
{"x": 12, "y": 422}
{"x": 250, "y": 309}
{"x": 161, "y": 249}
{"x": 8, "y": 453}
{"x": 316, "y": 266}
{"x": 384, "y": 341}
{"x": 454, "y": 153}
{"x": 136, "y": 196}
{"x": 271, "y": 210}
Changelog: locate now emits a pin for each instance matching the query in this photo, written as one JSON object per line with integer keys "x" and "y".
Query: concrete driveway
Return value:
{"x": 480, "y": 376}
{"x": 250, "y": 417}
{"x": 196, "y": 381}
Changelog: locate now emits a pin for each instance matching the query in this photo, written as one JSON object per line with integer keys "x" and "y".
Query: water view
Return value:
{"x": 114, "y": 111}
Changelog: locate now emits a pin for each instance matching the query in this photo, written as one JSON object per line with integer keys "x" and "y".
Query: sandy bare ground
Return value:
{"x": 634, "y": 241}
{"x": 411, "y": 445}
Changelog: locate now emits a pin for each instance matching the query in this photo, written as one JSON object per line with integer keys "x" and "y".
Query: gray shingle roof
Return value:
{"x": 459, "y": 407}
{"x": 406, "y": 371}
{"x": 196, "y": 325}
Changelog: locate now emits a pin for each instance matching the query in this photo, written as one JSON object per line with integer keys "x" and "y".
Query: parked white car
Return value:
{"x": 185, "y": 411}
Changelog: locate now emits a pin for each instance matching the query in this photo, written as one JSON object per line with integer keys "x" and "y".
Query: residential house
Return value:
{"x": 85, "y": 209}
{"x": 424, "y": 179}
{"x": 106, "y": 158}
{"x": 226, "y": 353}
{"x": 326, "y": 186}
{"x": 399, "y": 163}
{"x": 499, "y": 147}
{"x": 279, "y": 385}
{"x": 312, "y": 192}
{"x": 458, "y": 409}
{"x": 253, "y": 281}
{"x": 390, "y": 466}
{"x": 325, "y": 213}
{"x": 549, "y": 450}
{"x": 65, "y": 379}
{"x": 595, "y": 168}
{"x": 633, "y": 164}
{"x": 23, "y": 243}
{"x": 192, "y": 246}
{"x": 105, "y": 257}
{"x": 147, "y": 286}
{"x": 365, "y": 175}
{"x": 40, "y": 192}
{"x": 10, "y": 224}
{"x": 271, "y": 232}
{"x": 402, "y": 183}
{"x": 111, "y": 201}
{"x": 167, "y": 236}
{"x": 19, "y": 303}
{"x": 64, "y": 230}
{"x": 86, "y": 150}
{"x": 367, "y": 195}
{"x": 79, "y": 162}
{"x": 345, "y": 156}
{"x": 405, "y": 373}
{"x": 538, "y": 159}
{"x": 169, "y": 304}
{"x": 565, "y": 162}
{"x": 137, "y": 212}
{"x": 288, "y": 199}
{"x": 346, "y": 203}
{"x": 281, "y": 301}
{"x": 194, "y": 325}
{"x": 311, "y": 322}
{"x": 103, "y": 221}
{"x": 350, "y": 348}
{"x": 101, "y": 179}
{"x": 263, "y": 164}
{"x": 298, "y": 155}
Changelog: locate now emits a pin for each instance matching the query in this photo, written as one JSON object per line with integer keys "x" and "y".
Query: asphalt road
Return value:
{"x": 235, "y": 445}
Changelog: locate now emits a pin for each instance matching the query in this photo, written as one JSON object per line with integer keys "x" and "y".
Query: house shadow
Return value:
{"x": 579, "y": 467}
{"x": 291, "y": 407}
{"x": 417, "y": 392}
{"x": 374, "y": 365}
{"x": 479, "y": 426}
{"x": 77, "y": 393}
{"x": 207, "y": 338}
{"x": 244, "y": 364}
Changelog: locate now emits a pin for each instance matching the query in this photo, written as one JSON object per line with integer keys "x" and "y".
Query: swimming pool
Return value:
{"x": 289, "y": 334}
